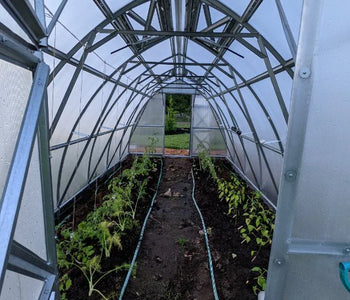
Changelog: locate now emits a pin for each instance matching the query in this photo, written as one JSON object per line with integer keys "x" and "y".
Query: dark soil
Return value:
{"x": 234, "y": 279}
{"x": 173, "y": 262}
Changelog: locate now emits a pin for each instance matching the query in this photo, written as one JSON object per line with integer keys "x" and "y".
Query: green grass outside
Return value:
{"x": 177, "y": 141}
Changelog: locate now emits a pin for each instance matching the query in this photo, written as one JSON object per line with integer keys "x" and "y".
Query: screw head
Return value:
{"x": 347, "y": 250}
{"x": 290, "y": 175}
{"x": 304, "y": 72}
{"x": 278, "y": 261}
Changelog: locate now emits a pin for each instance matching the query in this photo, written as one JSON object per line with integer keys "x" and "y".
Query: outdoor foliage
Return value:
{"x": 170, "y": 123}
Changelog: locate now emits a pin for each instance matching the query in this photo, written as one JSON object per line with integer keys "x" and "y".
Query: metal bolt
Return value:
{"x": 290, "y": 175}
{"x": 278, "y": 261}
{"x": 304, "y": 72}
{"x": 347, "y": 250}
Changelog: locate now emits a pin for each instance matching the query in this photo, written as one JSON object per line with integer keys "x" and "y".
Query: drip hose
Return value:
{"x": 126, "y": 281}
{"x": 211, "y": 269}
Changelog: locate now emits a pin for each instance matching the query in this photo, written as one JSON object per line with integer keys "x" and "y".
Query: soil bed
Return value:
{"x": 173, "y": 262}
{"x": 234, "y": 279}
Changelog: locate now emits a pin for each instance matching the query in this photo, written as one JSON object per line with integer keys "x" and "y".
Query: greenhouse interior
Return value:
{"x": 174, "y": 149}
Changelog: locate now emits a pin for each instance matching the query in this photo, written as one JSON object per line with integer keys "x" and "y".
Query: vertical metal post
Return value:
{"x": 12, "y": 195}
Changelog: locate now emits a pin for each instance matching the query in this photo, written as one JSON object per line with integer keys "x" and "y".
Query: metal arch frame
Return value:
{"x": 78, "y": 119}
{"x": 220, "y": 7}
{"x": 260, "y": 151}
{"x": 13, "y": 255}
{"x": 216, "y": 5}
{"x": 90, "y": 174}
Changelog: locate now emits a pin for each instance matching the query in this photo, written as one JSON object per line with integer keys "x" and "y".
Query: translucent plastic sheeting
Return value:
{"x": 211, "y": 139}
{"x": 84, "y": 88}
{"x": 253, "y": 165}
{"x": 271, "y": 30}
{"x": 20, "y": 287}
{"x": 152, "y": 114}
{"x": 56, "y": 157}
{"x": 150, "y": 125}
{"x": 202, "y": 113}
{"x": 142, "y": 137}
{"x": 236, "y": 151}
{"x": 57, "y": 87}
{"x": 68, "y": 167}
{"x": 15, "y": 85}
{"x": 30, "y": 227}
{"x": 268, "y": 187}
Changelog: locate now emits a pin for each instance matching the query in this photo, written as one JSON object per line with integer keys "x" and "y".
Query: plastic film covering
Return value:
{"x": 205, "y": 130}
{"x": 150, "y": 127}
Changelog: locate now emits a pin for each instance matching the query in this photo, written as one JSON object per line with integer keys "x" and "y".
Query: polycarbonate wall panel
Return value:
{"x": 30, "y": 227}
{"x": 143, "y": 136}
{"x": 205, "y": 129}
{"x": 151, "y": 114}
{"x": 56, "y": 156}
{"x": 202, "y": 114}
{"x": 252, "y": 170}
{"x": 270, "y": 182}
{"x": 84, "y": 88}
{"x": 70, "y": 163}
{"x": 15, "y": 84}
{"x": 150, "y": 125}
{"x": 20, "y": 287}
{"x": 211, "y": 139}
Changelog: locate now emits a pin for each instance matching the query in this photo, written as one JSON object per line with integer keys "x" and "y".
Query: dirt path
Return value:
{"x": 173, "y": 262}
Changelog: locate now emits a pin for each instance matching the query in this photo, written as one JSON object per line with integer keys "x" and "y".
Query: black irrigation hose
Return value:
{"x": 126, "y": 281}
{"x": 211, "y": 269}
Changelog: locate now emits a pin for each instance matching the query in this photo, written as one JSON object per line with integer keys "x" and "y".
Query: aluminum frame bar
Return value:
{"x": 12, "y": 194}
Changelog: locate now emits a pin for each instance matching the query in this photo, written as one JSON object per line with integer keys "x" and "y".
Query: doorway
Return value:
{"x": 177, "y": 124}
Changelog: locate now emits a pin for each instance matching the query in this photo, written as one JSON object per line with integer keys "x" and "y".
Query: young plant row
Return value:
{"x": 85, "y": 247}
{"x": 245, "y": 204}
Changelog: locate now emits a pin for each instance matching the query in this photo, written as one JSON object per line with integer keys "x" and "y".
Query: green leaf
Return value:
{"x": 256, "y": 269}
{"x": 68, "y": 284}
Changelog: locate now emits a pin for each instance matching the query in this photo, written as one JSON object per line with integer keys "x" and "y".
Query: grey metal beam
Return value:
{"x": 13, "y": 51}
{"x": 276, "y": 70}
{"x": 12, "y": 194}
{"x": 207, "y": 15}
{"x": 182, "y": 64}
{"x": 150, "y": 14}
{"x": 287, "y": 31}
{"x": 217, "y": 24}
{"x": 26, "y": 262}
{"x": 139, "y": 20}
{"x": 24, "y": 14}
{"x": 274, "y": 81}
{"x": 56, "y": 16}
{"x": 185, "y": 33}
{"x": 46, "y": 184}
{"x": 83, "y": 139}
